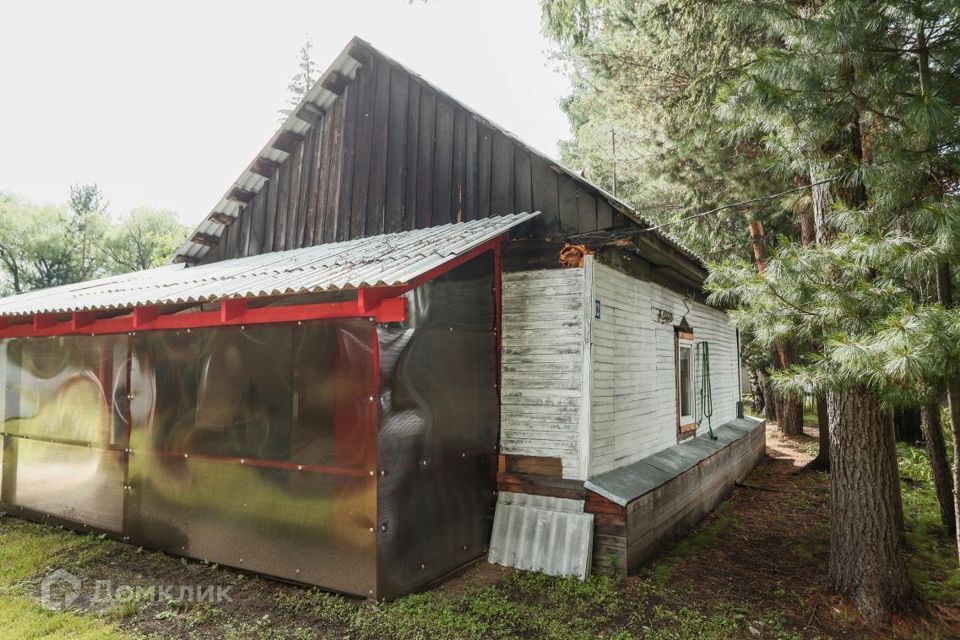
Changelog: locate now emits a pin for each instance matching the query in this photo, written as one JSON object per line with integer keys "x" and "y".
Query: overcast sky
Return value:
{"x": 163, "y": 105}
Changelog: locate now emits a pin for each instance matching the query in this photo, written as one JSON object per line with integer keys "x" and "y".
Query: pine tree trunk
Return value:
{"x": 769, "y": 404}
{"x": 866, "y": 557}
{"x": 756, "y": 389}
{"x": 953, "y": 400}
{"x": 939, "y": 465}
{"x": 945, "y": 296}
{"x": 792, "y": 419}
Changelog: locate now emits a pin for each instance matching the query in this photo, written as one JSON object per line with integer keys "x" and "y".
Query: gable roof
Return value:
{"x": 313, "y": 106}
{"x": 386, "y": 260}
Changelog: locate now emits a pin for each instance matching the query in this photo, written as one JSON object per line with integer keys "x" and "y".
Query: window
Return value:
{"x": 686, "y": 423}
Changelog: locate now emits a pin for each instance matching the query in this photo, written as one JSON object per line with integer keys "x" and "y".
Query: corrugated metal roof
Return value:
{"x": 322, "y": 98}
{"x": 384, "y": 260}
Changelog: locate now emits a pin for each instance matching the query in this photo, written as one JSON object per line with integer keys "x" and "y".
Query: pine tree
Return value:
{"x": 858, "y": 101}
{"x": 303, "y": 80}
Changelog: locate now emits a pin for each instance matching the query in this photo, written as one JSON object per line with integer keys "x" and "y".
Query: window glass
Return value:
{"x": 686, "y": 375}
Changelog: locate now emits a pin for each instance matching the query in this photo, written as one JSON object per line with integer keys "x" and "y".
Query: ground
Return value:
{"x": 755, "y": 568}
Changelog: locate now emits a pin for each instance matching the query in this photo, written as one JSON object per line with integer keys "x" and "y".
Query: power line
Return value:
{"x": 751, "y": 201}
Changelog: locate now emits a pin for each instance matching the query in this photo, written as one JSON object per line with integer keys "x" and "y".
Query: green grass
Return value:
{"x": 934, "y": 564}
{"x": 518, "y": 605}
{"x": 27, "y": 551}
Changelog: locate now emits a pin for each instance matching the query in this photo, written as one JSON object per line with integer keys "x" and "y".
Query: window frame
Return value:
{"x": 686, "y": 423}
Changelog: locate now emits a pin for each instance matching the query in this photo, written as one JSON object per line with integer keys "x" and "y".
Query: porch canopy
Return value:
{"x": 156, "y": 298}
{"x": 326, "y": 415}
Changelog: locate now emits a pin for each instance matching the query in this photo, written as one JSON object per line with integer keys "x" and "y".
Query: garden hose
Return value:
{"x": 706, "y": 392}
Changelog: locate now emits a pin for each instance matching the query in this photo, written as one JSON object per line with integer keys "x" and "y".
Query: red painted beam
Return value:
{"x": 232, "y": 308}
{"x": 81, "y": 319}
{"x": 149, "y": 319}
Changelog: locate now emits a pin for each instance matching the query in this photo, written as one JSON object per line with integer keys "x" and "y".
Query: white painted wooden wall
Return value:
{"x": 633, "y": 399}
{"x": 542, "y": 366}
{"x": 556, "y": 354}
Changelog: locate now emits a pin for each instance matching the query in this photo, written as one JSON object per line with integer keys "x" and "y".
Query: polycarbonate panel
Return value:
{"x": 74, "y": 482}
{"x": 438, "y": 430}
{"x": 62, "y": 389}
{"x": 255, "y": 447}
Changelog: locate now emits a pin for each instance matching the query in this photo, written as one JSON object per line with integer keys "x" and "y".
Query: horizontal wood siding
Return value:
{"x": 391, "y": 153}
{"x": 633, "y": 403}
{"x": 542, "y": 362}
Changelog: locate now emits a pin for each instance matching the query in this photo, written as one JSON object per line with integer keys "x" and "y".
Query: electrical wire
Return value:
{"x": 733, "y": 205}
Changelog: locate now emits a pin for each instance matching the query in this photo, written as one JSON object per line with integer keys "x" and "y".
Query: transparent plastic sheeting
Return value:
{"x": 281, "y": 449}
{"x": 438, "y": 430}
{"x": 250, "y": 447}
{"x": 65, "y": 427}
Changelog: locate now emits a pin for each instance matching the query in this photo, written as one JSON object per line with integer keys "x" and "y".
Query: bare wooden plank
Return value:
{"x": 270, "y": 216}
{"x": 236, "y": 235}
{"x": 324, "y": 169}
{"x": 365, "y": 82}
{"x": 308, "y": 181}
{"x": 264, "y": 167}
{"x": 412, "y": 156}
{"x": 348, "y": 142}
{"x": 484, "y": 170}
{"x": 378, "y": 163}
{"x": 470, "y": 170}
{"x": 334, "y": 179}
{"x": 502, "y": 190}
{"x": 206, "y": 239}
{"x": 287, "y": 141}
{"x": 568, "y": 209}
{"x": 310, "y": 112}
{"x": 523, "y": 198}
{"x": 336, "y": 82}
{"x": 586, "y": 211}
{"x": 283, "y": 204}
{"x": 239, "y": 194}
{"x": 244, "y": 236}
{"x": 428, "y": 125}
{"x": 257, "y": 220}
{"x": 396, "y": 151}
{"x": 293, "y": 208}
{"x": 604, "y": 214}
{"x": 545, "y": 199}
{"x": 443, "y": 164}
{"x": 309, "y": 227}
{"x": 531, "y": 465}
{"x": 460, "y": 117}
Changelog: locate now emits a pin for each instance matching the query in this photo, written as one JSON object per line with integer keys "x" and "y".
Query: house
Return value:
{"x": 368, "y": 357}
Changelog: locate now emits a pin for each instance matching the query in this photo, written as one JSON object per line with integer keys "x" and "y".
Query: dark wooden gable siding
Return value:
{"x": 392, "y": 153}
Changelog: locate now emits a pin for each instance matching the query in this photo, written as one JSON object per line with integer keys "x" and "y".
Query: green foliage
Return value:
{"x": 144, "y": 238}
{"x": 303, "y": 80}
{"x": 651, "y": 72}
{"x": 840, "y": 95}
{"x": 46, "y": 246}
{"x": 933, "y": 567}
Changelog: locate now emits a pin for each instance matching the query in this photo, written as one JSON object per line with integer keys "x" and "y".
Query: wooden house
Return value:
{"x": 369, "y": 356}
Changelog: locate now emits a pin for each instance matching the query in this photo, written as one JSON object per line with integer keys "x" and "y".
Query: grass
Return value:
{"x": 934, "y": 564}
{"x": 26, "y": 552}
{"x": 490, "y": 603}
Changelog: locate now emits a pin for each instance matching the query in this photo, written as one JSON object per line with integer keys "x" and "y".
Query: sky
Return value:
{"x": 164, "y": 104}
